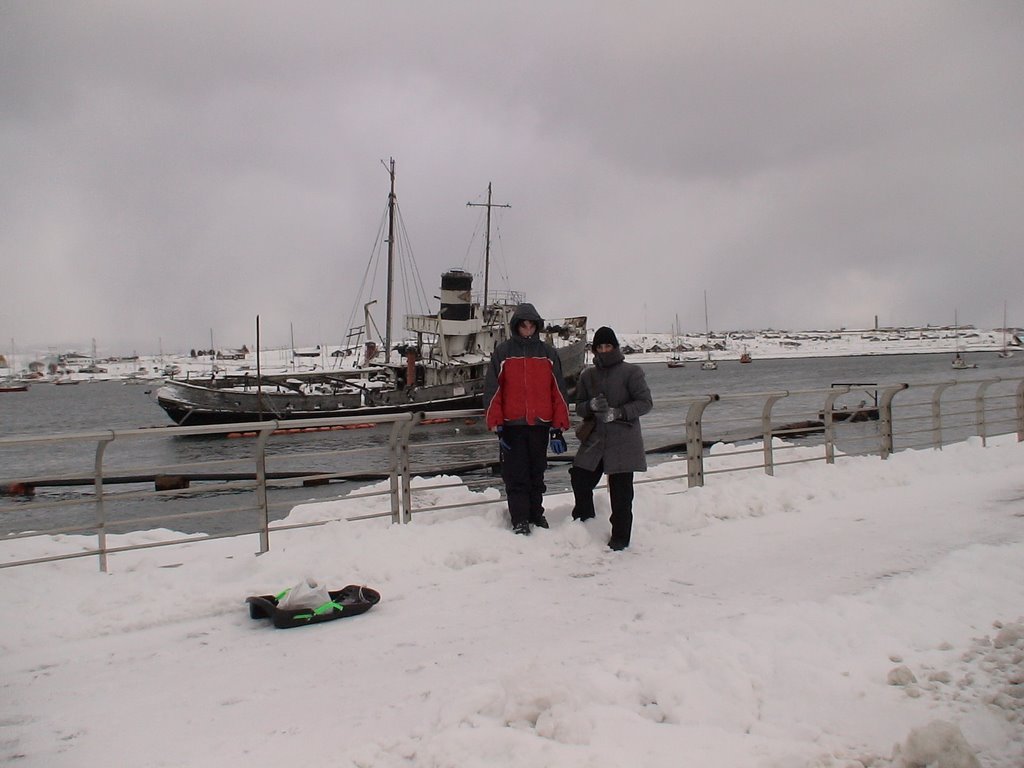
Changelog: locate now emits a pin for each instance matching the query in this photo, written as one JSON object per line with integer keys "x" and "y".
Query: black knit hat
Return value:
{"x": 605, "y": 335}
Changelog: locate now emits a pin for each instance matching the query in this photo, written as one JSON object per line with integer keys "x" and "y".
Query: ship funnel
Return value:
{"x": 456, "y": 295}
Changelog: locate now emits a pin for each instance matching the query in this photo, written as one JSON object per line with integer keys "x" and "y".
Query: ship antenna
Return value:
{"x": 487, "y": 239}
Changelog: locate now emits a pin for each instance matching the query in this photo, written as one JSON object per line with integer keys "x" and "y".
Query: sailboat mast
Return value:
{"x": 487, "y": 240}
{"x": 1004, "y": 329}
{"x": 391, "y": 262}
{"x": 707, "y": 326}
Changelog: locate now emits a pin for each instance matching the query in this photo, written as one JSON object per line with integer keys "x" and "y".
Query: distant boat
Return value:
{"x": 708, "y": 364}
{"x": 958, "y": 362}
{"x": 9, "y": 383}
{"x": 674, "y": 360}
{"x": 141, "y": 378}
{"x": 863, "y": 411}
{"x": 745, "y": 357}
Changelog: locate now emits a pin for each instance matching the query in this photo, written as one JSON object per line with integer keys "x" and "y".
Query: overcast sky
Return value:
{"x": 172, "y": 168}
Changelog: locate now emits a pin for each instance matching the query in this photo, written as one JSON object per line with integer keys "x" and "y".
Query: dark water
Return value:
{"x": 47, "y": 409}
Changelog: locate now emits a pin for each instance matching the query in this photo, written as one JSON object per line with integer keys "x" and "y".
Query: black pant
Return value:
{"x": 522, "y": 469}
{"x": 620, "y": 489}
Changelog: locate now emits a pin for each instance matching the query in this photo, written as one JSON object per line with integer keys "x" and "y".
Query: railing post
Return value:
{"x": 101, "y": 513}
{"x": 403, "y": 465}
{"x": 830, "y": 426}
{"x": 937, "y": 412}
{"x": 695, "y": 442}
{"x": 261, "y": 484}
{"x": 885, "y": 419}
{"x": 1020, "y": 412}
{"x": 979, "y": 409}
{"x": 394, "y": 471}
{"x": 766, "y": 431}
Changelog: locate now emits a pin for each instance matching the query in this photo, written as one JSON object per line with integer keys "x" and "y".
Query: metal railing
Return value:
{"x": 108, "y": 483}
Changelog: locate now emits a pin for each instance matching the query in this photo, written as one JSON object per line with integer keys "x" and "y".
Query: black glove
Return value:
{"x": 502, "y": 442}
{"x": 558, "y": 445}
{"x": 612, "y": 414}
{"x": 599, "y": 404}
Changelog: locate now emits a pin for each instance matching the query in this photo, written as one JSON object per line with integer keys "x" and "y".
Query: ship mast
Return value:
{"x": 487, "y": 241}
{"x": 391, "y": 262}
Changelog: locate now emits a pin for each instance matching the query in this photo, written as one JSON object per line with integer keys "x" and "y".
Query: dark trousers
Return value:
{"x": 620, "y": 489}
{"x": 522, "y": 469}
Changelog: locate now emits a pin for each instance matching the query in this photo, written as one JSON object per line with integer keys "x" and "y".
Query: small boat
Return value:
{"x": 66, "y": 382}
{"x": 9, "y": 383}
{"x": 745, "y": 357}
{"x": 958, "y": 363}
{"x": 442, "y": 368}
{"x": 707, "y": 364}
{"x": 865, "y": 410}
{"x": 674, "y": 360}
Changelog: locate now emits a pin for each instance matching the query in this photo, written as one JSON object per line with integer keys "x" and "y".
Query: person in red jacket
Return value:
{"x": 526, "y": 404}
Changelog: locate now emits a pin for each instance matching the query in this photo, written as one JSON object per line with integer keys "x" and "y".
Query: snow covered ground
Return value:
{"x": 869, "y": 613}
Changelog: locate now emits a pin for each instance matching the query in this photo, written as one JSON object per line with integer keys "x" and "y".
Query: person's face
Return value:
{"x": 604, "y": 347}
{"x": 527, "y": 327}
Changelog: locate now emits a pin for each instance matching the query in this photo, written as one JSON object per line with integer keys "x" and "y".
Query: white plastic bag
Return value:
{"x": 308, "y": 593}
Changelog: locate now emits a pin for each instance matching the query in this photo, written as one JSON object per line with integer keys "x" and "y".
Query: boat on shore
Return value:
{"x": 441, "y": 367}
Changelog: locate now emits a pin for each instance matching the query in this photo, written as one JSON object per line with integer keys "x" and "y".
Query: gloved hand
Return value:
{"x": 502, "y": 442}
{"x": 599, "y": 404}
{"x": 612, "y": 414}
{"x": 558, "y": 445}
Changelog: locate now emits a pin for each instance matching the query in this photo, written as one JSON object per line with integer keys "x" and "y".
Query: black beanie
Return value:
{"x": 605, "y": 335}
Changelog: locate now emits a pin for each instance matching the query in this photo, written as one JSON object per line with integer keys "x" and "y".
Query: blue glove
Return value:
{"x": 502, "y": 442}
{"x": 558, "y": 445}
{"x": 612, "y": 414}
{"x": 599, "y": 404}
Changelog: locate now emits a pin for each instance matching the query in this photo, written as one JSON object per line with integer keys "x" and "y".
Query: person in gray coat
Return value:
{"x": 614, "y": 395}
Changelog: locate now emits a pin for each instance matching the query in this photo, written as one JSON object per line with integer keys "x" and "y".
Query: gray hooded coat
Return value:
{"x": 620, "y": 443}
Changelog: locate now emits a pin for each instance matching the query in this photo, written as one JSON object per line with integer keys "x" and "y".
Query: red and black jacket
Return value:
{"x": 524, "y": 383}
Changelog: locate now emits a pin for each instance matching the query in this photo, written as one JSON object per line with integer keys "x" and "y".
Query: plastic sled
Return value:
{"x": 349, "y": 601}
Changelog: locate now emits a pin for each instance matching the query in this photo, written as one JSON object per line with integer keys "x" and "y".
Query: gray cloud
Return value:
{"x": 173, "y": 168}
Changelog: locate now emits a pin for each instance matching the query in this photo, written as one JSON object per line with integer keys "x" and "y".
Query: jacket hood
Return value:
{"x": 525, "y": 312}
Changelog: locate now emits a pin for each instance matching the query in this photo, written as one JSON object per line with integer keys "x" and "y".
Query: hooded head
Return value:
{"x": 525, "y": 312}
{"x": 605, "y": 335}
